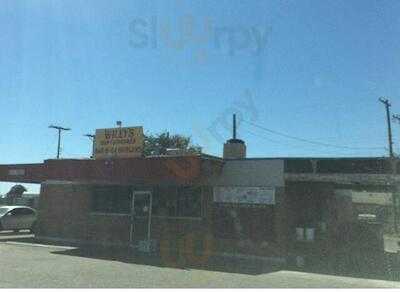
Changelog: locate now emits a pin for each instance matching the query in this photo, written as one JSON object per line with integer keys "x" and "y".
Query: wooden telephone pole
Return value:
{"x": 59, "y": 128}
{"x": 389, "y": 126}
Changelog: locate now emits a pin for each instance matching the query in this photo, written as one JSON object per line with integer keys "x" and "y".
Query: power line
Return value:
{"x": 277, "y": 141}
{"x": 310, "y": 141}
{"x": 298, "y": 146}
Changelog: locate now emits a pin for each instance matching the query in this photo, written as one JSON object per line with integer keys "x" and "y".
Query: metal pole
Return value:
{"x": 59, "y": 143}
{"x": 395, "y": 193}
{"x": 93, "y": 146}
{"x": 59, "y": 128}
{"x": 389, "y": 126}
{"x": 132, "y": 215}
{"x": 93, "y": 138}
{"x": 150, "y": 214}
{"x": 234, "y": 126}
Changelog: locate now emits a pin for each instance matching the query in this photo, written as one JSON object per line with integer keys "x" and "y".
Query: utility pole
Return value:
{"x": 389, "y": 126}
{"x": 396, "y": 118}
{"x": 234, "y": 126}
{"x": 59, "y": 128}
{"x": 93, "y": 139}
{"x": 395, "y": 193}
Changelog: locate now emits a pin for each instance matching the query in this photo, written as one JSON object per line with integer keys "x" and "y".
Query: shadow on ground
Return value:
{"x": 390, "y": 271}
{"x": 369, "y": 269}
{"x": 127, "y": 255}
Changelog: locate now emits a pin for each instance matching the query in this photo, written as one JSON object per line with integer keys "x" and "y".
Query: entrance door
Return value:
{"x": 140, "y": 236}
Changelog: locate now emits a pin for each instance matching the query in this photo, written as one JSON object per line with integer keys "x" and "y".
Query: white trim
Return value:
{"x": 344, "y": 178}
{"x": 179, "y": 218}
{"x": 244, "y": 195}
{"x": 39, "y": 245}
{"x": 62, "y": 182}
{"x": 102, "y": 214}
{"x": 280, "y": 260}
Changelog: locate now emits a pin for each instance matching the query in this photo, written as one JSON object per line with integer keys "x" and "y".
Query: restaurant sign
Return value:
{"x": 244, "y": 195}
{"x": 122, "y": 142}
{"x": 16, "y": 172}
{"x": 367, "y": 197}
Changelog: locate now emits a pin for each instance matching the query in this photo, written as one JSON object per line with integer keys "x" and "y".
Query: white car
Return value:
{"x": 17, "y": 218}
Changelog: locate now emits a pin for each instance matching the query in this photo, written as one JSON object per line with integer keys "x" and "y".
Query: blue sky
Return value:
{"x": 184, "y": 66}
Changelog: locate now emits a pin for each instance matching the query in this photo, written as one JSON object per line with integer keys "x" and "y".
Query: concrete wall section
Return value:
{"x": 251, "y": 173}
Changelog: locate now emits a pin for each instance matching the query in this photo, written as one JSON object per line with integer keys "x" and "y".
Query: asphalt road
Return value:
{"x": 28, "y": 265}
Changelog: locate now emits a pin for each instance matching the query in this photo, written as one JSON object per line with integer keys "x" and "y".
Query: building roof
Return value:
{"x": 171, "y": 169}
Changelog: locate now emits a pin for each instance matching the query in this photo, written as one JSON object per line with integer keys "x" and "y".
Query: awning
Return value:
{"x": 150, "y": 170}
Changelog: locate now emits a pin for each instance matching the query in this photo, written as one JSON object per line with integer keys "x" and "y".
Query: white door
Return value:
{"x": 141, "y": 218}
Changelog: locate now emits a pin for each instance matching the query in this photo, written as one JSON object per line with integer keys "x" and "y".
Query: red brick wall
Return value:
{"x": 109, "y": 229}
{"x": 63, "y": 211}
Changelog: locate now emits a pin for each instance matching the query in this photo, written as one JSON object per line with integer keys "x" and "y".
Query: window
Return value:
{"x": 177, "y": 201}
{"x": 26, "y": 212}
{"x": 189, "y": 202}
{"x": 142, "y": 204}
{"x": 164, "y": 201}
{"x": 224, "y": 223}
{"x": 21, "y": 212}
{"x": 112, "y": 199}
{"x": 3, "y": 211}
{"x": 18, "y": 212}
{"x": 254, "y": 223}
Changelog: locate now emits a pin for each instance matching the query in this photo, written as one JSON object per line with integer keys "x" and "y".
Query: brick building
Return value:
{"x": 201, "y": 206}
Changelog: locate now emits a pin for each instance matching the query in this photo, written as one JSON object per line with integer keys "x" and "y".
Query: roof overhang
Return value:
{"x": 151, "y": 170}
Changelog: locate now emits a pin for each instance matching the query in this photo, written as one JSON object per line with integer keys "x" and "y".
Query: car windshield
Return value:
{"x": 3, "y": 211}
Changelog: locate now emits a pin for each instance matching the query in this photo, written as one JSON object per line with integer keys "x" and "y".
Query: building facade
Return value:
{"x": 197, "y": 207}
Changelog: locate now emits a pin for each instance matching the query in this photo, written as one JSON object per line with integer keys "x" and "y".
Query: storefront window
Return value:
{"x": 177, "y": 201}
{"x": 244, "y": 222}
{"x": 167, "y": 201}
{"x": 111, "y": 199}
{"x": 189, "y": 202}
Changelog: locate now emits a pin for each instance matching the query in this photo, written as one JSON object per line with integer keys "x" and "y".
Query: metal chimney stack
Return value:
{"x": 234, "y": 148}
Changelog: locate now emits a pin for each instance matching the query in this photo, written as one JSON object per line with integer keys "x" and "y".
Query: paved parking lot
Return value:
{"x": 25, "y": 264}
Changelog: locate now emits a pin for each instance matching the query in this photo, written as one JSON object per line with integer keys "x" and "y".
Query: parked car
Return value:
{"x": 17, "y": 218}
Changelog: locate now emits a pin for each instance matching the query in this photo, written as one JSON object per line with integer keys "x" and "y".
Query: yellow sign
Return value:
{"x": 122, "y": 142}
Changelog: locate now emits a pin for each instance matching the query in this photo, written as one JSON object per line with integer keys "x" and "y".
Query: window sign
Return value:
{"x": 244, "y": 195}
{"x": 16, "y": 172}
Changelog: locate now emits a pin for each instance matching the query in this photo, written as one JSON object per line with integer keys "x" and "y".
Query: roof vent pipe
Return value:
{"x": 234, "y": 148}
